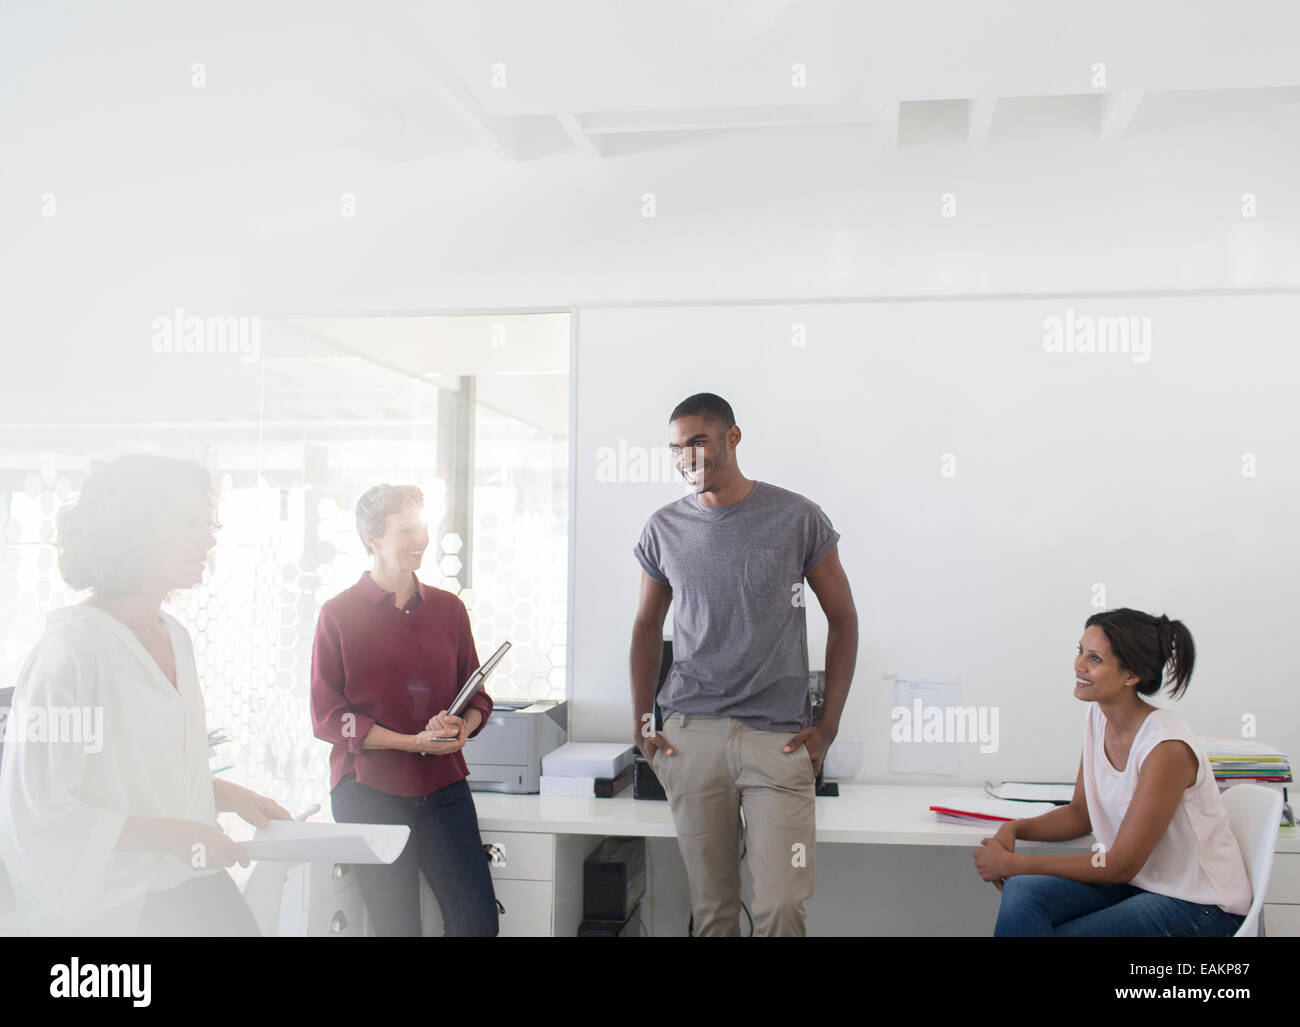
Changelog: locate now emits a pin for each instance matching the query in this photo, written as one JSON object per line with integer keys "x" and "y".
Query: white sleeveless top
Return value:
{"x": 1197, "y": 860}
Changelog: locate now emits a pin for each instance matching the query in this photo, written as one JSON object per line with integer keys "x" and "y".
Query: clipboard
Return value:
{"x": 1039, "y": 791}
{"x": 474, "y": 685}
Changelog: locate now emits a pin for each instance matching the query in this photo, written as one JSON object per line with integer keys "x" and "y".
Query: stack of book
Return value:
{"x": 587, "y": 769}
{"x": 1234, "y": 760}
{"x": 1011, "y": 800}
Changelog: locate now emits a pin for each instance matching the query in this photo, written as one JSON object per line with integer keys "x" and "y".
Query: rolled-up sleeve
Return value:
{"x": 332, "y": 718}
{"x": 819, "y": 539}
{"x": 646, "y": 552}
{"x": 466, "y": 663}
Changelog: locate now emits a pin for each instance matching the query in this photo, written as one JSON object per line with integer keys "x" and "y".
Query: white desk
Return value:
{"x": 539, "y": 843}
{"x": 544, "y": 839}
{"x": 860, "y": 814}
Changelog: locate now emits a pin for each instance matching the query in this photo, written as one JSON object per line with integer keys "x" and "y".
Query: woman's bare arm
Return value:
{"x": 1063, "y": 824}
{"x": 1168, "y": 771}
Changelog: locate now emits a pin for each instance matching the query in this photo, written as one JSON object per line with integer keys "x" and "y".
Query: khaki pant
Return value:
{"x": 720, "y": 767}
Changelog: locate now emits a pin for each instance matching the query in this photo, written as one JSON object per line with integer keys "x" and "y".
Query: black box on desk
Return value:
{"x": 613, "y": 880}
{"x": 645, "y": 785}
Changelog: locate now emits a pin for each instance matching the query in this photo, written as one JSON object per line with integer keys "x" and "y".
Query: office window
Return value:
{"x": 328, "y": 409}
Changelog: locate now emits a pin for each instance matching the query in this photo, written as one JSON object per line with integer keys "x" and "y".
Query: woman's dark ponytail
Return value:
{"x": 1181, "y": 657}
{"x": 1158, "y": 650}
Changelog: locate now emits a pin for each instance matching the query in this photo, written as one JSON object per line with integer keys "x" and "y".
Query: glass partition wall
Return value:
{"x": 473, "y": 410}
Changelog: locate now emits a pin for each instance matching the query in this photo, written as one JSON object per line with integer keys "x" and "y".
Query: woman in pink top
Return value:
{"x": 1166, "y": 862}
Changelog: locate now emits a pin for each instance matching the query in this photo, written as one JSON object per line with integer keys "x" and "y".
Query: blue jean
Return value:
{"x": 445, "y": 846}
{"x": 1038, "y": 906}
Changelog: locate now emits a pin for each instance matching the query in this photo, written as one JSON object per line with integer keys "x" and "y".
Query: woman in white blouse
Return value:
{"x": 108, "y": 810}
{"x": 1166, "y": 862}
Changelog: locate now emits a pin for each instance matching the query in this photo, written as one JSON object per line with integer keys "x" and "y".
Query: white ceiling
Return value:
{"x": 587, "y": 56}
{"x": 225, "y": 199}
{"x": 399, "y": 81}
{"x": 605, "y": 70}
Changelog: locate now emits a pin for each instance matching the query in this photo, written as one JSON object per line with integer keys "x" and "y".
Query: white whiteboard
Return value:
{"x": 1071, "y": 469}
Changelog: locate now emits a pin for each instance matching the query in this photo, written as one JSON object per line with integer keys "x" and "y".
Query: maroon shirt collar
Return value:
{"x": 372, "y": 591}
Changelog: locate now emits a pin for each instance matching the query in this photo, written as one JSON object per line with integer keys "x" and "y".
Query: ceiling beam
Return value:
{"x": 709, "y": 119}
{"x": 498, "y": 134}
{"x": 588, "y": 146}
{"x": 1117, "y": 110}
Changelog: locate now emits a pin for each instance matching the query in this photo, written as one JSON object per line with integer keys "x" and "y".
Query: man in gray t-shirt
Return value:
{"x": 740, "y": 637}
{"x": 731, "y": 558}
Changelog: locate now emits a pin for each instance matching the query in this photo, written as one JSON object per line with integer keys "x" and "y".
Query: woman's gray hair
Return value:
{"x": 377, "y": 503}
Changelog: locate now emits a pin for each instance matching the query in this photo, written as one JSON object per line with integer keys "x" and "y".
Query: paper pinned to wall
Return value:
{"x": 913, "y": 749}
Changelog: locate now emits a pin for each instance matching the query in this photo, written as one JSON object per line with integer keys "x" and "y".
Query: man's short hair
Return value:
{"x": 707, "y": 405}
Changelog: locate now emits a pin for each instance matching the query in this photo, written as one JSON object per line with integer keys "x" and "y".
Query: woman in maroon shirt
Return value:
{"x": 389, "y": 657}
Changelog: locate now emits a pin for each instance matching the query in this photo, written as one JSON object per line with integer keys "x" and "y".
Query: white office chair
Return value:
{"x": 1254, "y": 813}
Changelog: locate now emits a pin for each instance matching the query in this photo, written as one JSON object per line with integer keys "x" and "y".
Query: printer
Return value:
{"x": 506, "y": 756}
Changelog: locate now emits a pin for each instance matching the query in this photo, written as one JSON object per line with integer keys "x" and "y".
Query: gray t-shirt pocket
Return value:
{"x": 765, "y": 575}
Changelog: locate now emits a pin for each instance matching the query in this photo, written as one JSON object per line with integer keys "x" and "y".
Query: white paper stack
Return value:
{"x": 588, "y": 759}
{"x": 292, "y": 841}
{"x": 576, "y": 786}
{"x": 586, "y": 787}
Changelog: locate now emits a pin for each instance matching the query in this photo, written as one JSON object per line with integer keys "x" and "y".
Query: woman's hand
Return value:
{"x": 447, "y": 725}
{"x": 191, "y": 841}
{"x": 994, "y": 862}
{"x": 1006, "y": 837}
{"x": 444, "y": 725}
{"x": 259, "y": 810}
{"x": 254, "y": 809}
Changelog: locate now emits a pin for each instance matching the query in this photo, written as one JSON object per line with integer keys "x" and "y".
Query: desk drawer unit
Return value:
{"x": 523, "y": 873}
{"x": 1284, "y": 883}
{"x": 341, "y": 915}
{"x": 528, "y": 908}
{"x": 519, "y": 855}
{"x": 522, "y": 865}
{"x": 537, "y": 878}
{"x": 328, "y": 879}
{"x": 322, "y": 900}
{"x": 1282, "y": 903}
